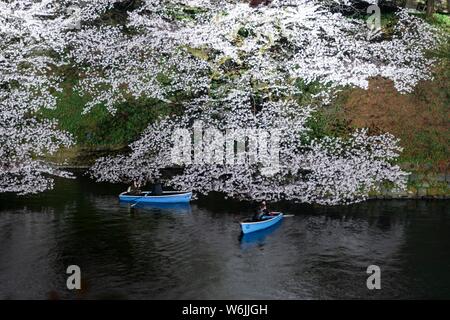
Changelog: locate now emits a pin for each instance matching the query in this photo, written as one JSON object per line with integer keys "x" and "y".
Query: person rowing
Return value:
{"x": 134, "y": 189}
{"x": 261, "y": 212}
{"x": 157, "y": 189}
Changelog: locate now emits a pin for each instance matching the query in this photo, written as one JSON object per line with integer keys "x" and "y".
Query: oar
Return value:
{"x": 137, "y": 200}
{"x": 285, "y": 215}
{"x": 288, "y": 215}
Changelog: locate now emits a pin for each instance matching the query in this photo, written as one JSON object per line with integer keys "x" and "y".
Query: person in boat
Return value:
{"x": 134, "y": 189}
{"x": 262, "y": 211}
{"x": 157, "y": 189}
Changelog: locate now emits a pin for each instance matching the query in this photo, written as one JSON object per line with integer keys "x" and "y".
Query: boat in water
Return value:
{"x": 267, "y": 221}
{"x": 165, "y": 197}
{"x": 249, "y": 240}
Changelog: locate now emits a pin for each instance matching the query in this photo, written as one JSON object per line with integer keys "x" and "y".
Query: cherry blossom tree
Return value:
{"x": 237, "y": 64}
{"x": 33, "y": 44}
{"x": 24, "y": 89}
{"x": 262, "y": 52}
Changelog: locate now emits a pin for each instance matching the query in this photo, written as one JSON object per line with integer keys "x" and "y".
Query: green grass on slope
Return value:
{"x": 99, "y": 127}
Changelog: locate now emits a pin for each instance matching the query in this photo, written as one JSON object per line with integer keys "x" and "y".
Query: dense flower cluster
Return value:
{"x": 326, "y": 171}
{"x": 261, "y": 52}
{"x": 34, "y": 43}
{"x": 25, "y": 88}
{"x": 191, "y": 43}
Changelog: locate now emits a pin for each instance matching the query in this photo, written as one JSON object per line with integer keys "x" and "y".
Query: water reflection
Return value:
{"x": 249, "y": 240}
{"x": 168, "y": 208}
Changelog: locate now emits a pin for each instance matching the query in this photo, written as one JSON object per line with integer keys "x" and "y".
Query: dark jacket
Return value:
{"x": 157, "y": 189}
{"x": 259, "y": 214}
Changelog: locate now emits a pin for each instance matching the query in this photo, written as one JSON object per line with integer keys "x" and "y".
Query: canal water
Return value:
{"x": 196, "y": 251}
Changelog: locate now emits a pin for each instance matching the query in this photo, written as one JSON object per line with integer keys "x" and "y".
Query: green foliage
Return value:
{"x": 388, "y": 23}
{"x": 439, "y": 20}
{"x": 308, "y": 91}
{"x": 243, "y": 32}
{"x": 163, "y": 79}
{"x": 428, "y": 148}
{"x": 328, "y": 121}
{"x": 182, "y": 12}
{"x": 387, "y": 18}
{"x": 99, "y": 127}
{"x": 309, "y": 87}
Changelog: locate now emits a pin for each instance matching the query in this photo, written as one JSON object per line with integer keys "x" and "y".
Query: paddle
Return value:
{"x": 286, "y": 215}
{"x": 137, "y": 200}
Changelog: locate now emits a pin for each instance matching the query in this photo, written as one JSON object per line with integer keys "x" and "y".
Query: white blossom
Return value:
{"x": 237, "y": 66}
{"x": 326, "y": 171}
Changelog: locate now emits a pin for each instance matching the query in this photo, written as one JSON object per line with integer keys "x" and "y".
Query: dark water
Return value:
{"x": 195, "y": 252}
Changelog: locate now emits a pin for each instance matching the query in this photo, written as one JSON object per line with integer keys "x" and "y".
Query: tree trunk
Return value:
{"x": 430, "y": 7}
{"x": 448, "y": 6}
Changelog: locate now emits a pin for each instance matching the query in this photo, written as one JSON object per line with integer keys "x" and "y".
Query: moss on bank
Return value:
{"x": 98, "y": 127}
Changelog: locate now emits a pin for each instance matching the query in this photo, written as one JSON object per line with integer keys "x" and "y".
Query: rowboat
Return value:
{"x": 248, "y": 240}
{"x": 266, "y": 222}
{"x": 165, "y": 197}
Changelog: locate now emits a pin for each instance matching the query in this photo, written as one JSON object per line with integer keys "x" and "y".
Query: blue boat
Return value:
{"x": 266, "y": 222}
{"x": 165, "y": 197}
{"x": 249, "y": 240}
